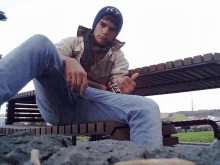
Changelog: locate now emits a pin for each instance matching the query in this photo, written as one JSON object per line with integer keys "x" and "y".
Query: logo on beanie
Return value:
{"x": 112, "y": 10}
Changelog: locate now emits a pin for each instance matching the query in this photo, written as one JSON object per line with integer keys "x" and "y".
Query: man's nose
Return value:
{"x": 105, "y": 31}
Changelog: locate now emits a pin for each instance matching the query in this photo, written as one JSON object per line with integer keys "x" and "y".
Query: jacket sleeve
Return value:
{"x": 66, "y": 47}
{"x": 120, "y": 69}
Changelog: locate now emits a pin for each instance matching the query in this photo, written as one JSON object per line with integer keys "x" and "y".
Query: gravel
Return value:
{"x": 16, "y": 148}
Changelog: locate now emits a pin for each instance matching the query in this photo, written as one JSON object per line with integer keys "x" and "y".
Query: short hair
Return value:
{"x": 112, "y": 19}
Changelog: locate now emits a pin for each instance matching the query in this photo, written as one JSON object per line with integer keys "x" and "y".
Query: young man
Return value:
{"x": 61, "y": 72}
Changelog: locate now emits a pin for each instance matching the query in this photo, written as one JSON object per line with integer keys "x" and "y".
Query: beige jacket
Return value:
{"x": 113, "y": 66}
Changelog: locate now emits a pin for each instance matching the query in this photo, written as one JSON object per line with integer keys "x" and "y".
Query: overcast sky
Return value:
{"x": 154, "y": 31}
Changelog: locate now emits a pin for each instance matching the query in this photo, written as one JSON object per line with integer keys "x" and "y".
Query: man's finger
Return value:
{"x": 120, "y": 85}
{"x": 134, "y": 76}
{"x": 68, "y": 81}
{"x": 73, "y": 84}
{"x": 78, "y": 82}
{"x": 84, "y": 86}
{"x": 126, "y": 82}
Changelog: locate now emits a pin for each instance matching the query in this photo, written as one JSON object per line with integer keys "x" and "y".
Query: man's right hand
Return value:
{"x": 75, "y": 76}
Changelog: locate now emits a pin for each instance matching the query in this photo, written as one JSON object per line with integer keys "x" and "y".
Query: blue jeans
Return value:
{"x": 38, "y": 59}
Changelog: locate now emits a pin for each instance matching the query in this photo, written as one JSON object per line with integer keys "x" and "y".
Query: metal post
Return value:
{"x": 74, "y": 140}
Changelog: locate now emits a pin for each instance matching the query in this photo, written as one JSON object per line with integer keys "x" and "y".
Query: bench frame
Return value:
{"x": 190, "y": 74}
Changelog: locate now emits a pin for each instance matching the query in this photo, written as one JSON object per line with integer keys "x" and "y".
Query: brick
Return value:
{"x": 161, "y": 66}
{"x": 37, "y": 131}
{"x": 178, "y": 63}
{"x": 100, "y": 127}
{"x": 54, "y": 130}
{"x": 33, "y": 131}
{"x": 75, "y": 129}
{"x": 145, "y": 69}
{"x": 137, "y": 70}
{"x": 197, "y": 59}
{"x": 152, "y": 68}
{"x": 68, "y": 129}
{"x": 48, "y": 130}
{"x": 43, "y": 131}
{"x": 169, "y": 65}
{"x": 82, "y": 128}
{"x": 91, "y": 127}
{"x": 61, "y": 130}
{"x": 188, "y": 61}
{"x": 208, "y": 57}
{"x": 216, "y": 56}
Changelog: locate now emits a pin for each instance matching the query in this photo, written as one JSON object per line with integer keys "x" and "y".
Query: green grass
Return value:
{"x": 82, "y": 137}
{"x": 202, "y": 136}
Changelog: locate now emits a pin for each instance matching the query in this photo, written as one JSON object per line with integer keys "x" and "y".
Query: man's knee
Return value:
{"x": 40, "y": 37}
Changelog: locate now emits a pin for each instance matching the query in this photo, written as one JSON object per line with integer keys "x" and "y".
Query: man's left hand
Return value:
{"x": 127, "y": 84}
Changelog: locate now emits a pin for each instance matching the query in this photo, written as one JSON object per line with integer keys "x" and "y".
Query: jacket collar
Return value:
{"x": 82, "y": 30}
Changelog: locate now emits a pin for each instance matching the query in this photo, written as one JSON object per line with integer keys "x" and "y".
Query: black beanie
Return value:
{"x": 109, "y": 10}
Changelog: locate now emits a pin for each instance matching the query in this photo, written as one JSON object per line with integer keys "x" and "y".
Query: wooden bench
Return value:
{"x": 190, "y": 74}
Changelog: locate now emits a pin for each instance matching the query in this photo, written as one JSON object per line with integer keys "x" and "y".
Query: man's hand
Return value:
{"x": 75, "y": 76}
{"x": 127, "y": 84}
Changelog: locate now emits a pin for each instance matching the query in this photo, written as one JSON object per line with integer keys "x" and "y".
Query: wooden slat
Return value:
{"x": 197, "y": 59}
{"x": 37, "y": 131}
{"x": 43, "y": 130}
{"x": 91, "y": 127}
{"x": 75, "y": 129}
{"x": 68, "y": 129}
{"x": 25, "y": 101}
{"x": 82, "y": 128}
{"x": 100, "y": 126}
{"x": 137, "y": 70}
{"x": 170, "y": 141}
{"x": 48, "y": 130}
{"x": 122, "y": 134}
{"x": 28, "y": 120}
{"x": 178, "y": 63}
{"x": 152, "y": 68}
{"x": 216, "y": 56}
{"x": 54, "y": 130}
{"x": 25, "y": 106}
{"x": 131, "y": 72}
{"x": 145, "y": 69}
{"x": 161, "y": 66}
{"x": 169, "y": 65}
{"x": 33, "y": 131}
{"x": 208, "y": 57}
{"x": 28, "y": 115}
{"x": 168, "y": 130}
{"x": 7, "y": 131}
{"x": 188, "y": 61}
{"x": 61, "y": 130}
{"x": 26, "y": 111}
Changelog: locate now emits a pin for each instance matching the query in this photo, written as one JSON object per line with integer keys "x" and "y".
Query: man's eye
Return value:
{"x": 113, "y": 30}
{"x": 102, "y": 24}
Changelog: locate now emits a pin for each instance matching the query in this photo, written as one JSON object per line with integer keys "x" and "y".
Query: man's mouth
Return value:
{"x": 102, "y": 38}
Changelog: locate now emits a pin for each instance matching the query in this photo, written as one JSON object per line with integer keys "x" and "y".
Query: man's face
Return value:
{"x": 104, "y": 31}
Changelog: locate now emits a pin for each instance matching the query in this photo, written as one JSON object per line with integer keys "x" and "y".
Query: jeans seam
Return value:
{"x": 98, "y": 101}
{"x": 74, "y": 113}
{"x": 105, "y": 103}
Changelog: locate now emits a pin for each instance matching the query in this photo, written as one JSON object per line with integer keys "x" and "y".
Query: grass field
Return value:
{"x": 203, "y": 136}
